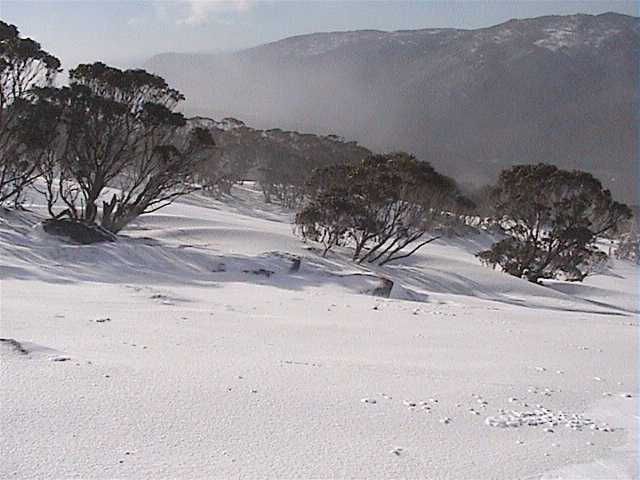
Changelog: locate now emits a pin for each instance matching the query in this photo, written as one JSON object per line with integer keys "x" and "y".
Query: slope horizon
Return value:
{"x": 358, "y": 30}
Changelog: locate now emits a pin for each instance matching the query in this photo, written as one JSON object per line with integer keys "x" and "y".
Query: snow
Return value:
{"x": 191, "y": 349}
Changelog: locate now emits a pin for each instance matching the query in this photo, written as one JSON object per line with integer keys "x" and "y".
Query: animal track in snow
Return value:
{"x": 306, "y": 364}
{"x": 396, "y": 451}
{"x": 545, "y": 418}
{"x": 60, "y": 358}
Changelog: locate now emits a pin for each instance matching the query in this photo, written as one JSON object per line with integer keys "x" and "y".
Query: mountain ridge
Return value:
{"x": 560, "y": 89}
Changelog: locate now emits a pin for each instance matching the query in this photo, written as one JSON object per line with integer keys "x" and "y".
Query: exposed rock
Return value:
{"x": 14, "y": 345}
{"x": 78, "y": 232}
{"x": 384, "y": 290}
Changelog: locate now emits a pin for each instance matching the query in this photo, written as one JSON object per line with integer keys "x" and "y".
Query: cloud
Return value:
{"x": 201, "y": 12}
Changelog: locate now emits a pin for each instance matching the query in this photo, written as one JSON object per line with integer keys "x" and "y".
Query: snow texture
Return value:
{"x": 172, "y": 354}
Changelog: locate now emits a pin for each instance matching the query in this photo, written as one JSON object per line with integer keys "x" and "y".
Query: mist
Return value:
{"x": 467, "y": 103}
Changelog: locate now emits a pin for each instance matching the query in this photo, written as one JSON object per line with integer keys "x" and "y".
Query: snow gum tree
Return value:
{"x": 124, "y": 151}
{"x": 384, "y": 206}
{"x": 24, "y": 65}
{"x": 552, "y": 218}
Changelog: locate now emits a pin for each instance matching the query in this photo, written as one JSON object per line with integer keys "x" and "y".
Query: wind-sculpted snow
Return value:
{"x": 193, "y": 348}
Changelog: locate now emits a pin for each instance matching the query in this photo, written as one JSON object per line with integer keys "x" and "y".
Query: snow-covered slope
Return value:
{"x": 192, "y": 349}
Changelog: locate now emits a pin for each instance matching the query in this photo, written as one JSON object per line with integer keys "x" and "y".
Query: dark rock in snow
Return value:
{"x": 77, "y": 231}
{"x": 384, "y": 290}
{"x": 260, "y": 271}
{"x": 14, "y": 345}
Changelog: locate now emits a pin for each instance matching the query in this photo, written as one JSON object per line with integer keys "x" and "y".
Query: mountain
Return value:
{"x": 559, "y": 89}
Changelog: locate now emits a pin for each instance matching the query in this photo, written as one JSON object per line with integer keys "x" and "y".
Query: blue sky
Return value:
{"x": 125, "y": 32}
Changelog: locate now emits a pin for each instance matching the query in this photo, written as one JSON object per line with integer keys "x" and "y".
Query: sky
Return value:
{"x": 126, "y": 32}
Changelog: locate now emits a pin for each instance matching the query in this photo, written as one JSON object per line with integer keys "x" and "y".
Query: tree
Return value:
{"x": 552, "y": 219}
{"x": 24, "y": 65}
{"x": 119, "y": 131}
{"x": 384, "y": 206}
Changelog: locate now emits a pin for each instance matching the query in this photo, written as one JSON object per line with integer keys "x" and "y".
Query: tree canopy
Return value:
{"x": 552, "y": 218}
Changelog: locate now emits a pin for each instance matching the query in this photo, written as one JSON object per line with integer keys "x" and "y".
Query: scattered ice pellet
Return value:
{"x": 410, "y": 404}
{"x": 445, "y": 420}
{"x": 369, "y": 400}
{"x": 560, "y": 372}
{"x": 519, "y": 442}
{"x": 513, "y": 399}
